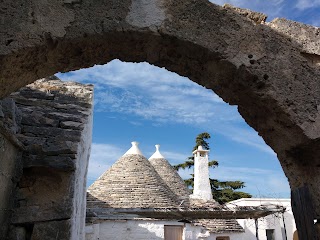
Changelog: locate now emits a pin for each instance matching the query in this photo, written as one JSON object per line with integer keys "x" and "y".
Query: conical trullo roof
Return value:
{"x": 169, "y": 174}
{"x": 131, "y": 182}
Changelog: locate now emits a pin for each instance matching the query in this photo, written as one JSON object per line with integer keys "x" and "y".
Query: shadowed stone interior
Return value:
{"x": 47, "y": 143}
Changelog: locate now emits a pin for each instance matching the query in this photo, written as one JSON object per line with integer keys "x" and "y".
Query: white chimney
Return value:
{"x": 201, "y": 189}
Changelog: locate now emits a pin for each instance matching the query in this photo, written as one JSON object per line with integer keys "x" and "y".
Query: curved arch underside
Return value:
{"x": 269, "y": 70}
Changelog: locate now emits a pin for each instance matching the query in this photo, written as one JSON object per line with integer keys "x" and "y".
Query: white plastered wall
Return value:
{"x": 273, "y": 221}
{"x": 148, "y": 230}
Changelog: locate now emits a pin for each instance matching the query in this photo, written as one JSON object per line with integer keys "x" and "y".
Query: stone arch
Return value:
{"x": 269, "y": 70}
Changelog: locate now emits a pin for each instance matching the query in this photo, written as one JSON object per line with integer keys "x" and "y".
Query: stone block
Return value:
{"x": 41, "y": 213}
{"x": 9, "y": 171}
{"x": 61, "y": 146}
{"x": 71, "y": 125}
{"x": 257, "y": 17}
{"x": 52, "y": 230}
{"x": 64, "y": 163}
{"x": 18, "y": 233}
{"x": 38, "y": 119}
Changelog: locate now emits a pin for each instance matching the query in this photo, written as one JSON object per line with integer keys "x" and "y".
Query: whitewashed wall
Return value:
{"x": 128, "y": 230}
{"x": 270, "y": 222}
{"x": 154, "y": 230}
{"x": 198, "y": 233}
{"x": 147, "y": 230}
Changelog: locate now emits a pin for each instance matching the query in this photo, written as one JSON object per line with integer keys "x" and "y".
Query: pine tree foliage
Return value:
{"x": 200, "y": 141}
{"x": 222, "y": 191}
{"x": 226, "y": 191}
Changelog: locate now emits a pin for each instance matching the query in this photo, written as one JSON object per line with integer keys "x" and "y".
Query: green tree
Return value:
{"x": 201, "y": 140}
{"x": 222, "y": 191}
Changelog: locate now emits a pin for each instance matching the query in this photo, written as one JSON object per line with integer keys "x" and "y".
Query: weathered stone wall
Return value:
{"x": 10, "y": 161}
{"x": 54, "y": 131}
{"x": 263, "y": 68}
{"x": 7, "y": 164}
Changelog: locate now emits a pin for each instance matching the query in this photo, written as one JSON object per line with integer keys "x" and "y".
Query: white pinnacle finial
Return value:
{"x": 157, "y": 153}
{"x": 134, "y": 149}
{"x": 157, "y": 147}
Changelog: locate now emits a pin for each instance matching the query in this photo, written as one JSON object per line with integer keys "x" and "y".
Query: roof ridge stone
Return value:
{"x": 169, "y": 174}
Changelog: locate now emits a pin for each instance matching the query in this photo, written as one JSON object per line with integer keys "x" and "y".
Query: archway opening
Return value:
{"x": 137, "y": 101}
{"x": 270, "y": 74}
{"x": 145, "y": 103}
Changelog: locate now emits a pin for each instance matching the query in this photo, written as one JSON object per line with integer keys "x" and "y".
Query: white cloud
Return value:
{"x": 237, "y": 173}
{"x": 150, "y": 92}
{"x": 244, "y": 136}
{"x": 306, "y": 4}
{"x": 156, "y": 94}
{"x": 174, "y": 157}
{"x": 260, "y": 182}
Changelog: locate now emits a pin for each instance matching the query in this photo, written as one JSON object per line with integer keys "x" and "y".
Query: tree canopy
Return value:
{"x": 200, "y": 141}
{"x": 222, "y": 191}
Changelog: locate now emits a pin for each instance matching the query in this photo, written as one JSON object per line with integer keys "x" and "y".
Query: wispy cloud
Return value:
{"x": 306, "y": 4}
{"x": 149, "y": 92}
{"x": 260, "y": 182}
{"x": 244, "y": 136}
{"x": 156, "y": 94}
{"x": 174, "y": 157}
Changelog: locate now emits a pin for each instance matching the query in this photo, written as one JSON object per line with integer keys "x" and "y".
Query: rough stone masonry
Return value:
{"x": 269, "y": 70}
{"x": 50, "y": 125}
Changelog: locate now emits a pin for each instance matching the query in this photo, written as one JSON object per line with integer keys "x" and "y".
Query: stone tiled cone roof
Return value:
{"x": 170, "y": 176}
{"x": 131, "y": 182}
{"x": 219, "y": 225}
{"x": 177, "y": 185}
{"x": 135, "y": 182}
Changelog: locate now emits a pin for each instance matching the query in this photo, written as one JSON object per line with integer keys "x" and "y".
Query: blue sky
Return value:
{"x": 306, "y": 11}
{"x": 140, "y": 102}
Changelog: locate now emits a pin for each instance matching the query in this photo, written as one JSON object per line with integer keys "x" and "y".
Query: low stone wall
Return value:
{"x": 10, "y": 160}
{"x": 54, "y": 134}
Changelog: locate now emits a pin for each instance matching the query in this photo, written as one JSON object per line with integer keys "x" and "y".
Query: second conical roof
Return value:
{"x": 169, "y": 174}
{"x": 132, "y": 182}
